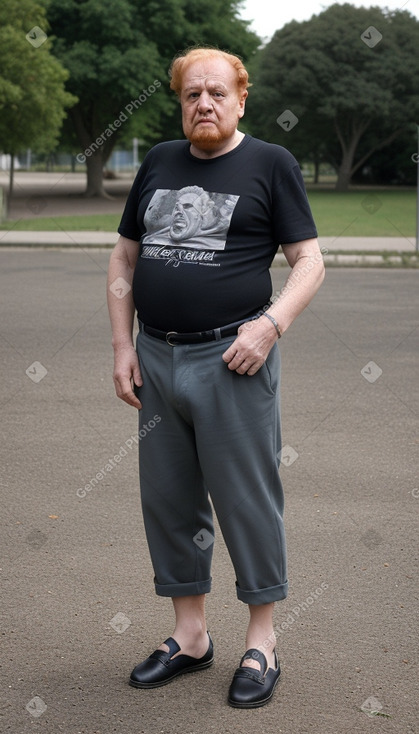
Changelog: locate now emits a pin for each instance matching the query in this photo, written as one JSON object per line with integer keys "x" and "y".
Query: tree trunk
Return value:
{"x": 94, "y": 162}
{"x": 346, "y": 168}
{"x": 345, "y": 172}
{"x": 349, "y": 142}
{"x": 94, "y": 166}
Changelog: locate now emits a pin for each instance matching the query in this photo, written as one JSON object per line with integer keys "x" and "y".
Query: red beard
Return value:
{"x": 208, "y": 139}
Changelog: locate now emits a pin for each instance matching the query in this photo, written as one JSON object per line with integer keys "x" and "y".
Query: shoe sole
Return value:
{"x": 159, "y": 684}
{"x": 254, "y": 704}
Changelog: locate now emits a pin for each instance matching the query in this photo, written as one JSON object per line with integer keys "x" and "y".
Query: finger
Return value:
{"x": 230, "y": 352}
{"x": 253, "y": 369}
{"x": 131, "y": 399}
{"x": 232, "y": 356}
{"x": 134, "y": 401}
{"x": 237, "y": 363}
{"x": 241, "y": 369}
{"x": 138, "y": 380}
{"x": 124, "y": 391}
{"x": 135, "y": 388}
{"x": 247, "y": 366}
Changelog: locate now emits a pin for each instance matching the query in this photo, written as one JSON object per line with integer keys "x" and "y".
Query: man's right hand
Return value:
{"x": 126, "y": 374}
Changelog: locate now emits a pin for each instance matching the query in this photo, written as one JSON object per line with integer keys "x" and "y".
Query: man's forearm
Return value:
{"x": 120, "y": 300}
{"x": 300, "y": 287}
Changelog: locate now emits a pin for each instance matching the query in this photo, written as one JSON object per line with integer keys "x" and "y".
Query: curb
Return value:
{"x": 331, "y": 259}
{"x": 357, "y": 260}
{"x": 393, "y": 253}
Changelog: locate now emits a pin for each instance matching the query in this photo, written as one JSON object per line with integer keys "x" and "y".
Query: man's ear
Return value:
{"x": 242, "y": 103}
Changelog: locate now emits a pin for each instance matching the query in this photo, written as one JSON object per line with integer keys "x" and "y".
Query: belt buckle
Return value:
{"x": 169, "y": 335}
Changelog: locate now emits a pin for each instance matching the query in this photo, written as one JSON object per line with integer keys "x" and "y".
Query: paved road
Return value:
{"x": 79, "y": 604}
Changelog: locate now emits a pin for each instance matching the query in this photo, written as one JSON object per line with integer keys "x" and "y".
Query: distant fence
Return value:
{"x": 120, "y": 160}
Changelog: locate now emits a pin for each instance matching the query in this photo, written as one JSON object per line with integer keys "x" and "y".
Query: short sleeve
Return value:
{"x": 128, "y": 226}
{"x": 293, "y": 220}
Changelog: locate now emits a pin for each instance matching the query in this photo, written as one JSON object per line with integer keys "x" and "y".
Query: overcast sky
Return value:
{"x": 270, "y": 15}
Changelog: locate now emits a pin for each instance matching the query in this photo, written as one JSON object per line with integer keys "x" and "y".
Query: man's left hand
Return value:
{"x": 251, "y": 347}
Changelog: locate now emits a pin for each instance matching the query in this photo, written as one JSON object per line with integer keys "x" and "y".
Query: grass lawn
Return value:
{"x": 98, "y": 222}
{"x": 367, "y": 213}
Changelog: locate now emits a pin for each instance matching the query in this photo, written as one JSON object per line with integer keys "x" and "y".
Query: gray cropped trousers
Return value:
{"x": 211, "y": 438}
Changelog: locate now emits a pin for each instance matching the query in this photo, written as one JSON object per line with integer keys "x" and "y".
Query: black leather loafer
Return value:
{"x": 251, "y": 688}
{"x": 159, "y": 669}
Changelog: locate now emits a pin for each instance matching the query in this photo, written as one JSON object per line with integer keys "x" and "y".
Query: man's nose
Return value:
{"x": 204, "y": 102}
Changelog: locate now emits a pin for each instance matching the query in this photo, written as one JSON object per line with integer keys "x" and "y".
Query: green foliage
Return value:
{"x": 114, "y": 49}
{"x": 32, "y": 95}
{"x": 110, "y": 61}
{"x": 340, "y": 88}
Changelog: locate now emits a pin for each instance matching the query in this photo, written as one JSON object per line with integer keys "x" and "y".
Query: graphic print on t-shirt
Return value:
{"x": 189, "y": 218}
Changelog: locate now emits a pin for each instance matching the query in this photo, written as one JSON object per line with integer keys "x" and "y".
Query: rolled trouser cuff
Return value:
{"x": 263, "y": 596}
{"x": 192, "y": 588}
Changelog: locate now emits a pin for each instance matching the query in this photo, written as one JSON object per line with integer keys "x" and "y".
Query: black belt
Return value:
{"x": 195, "y": 337}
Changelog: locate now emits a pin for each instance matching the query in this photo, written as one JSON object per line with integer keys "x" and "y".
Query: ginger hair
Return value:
{"x": 203, "y": 53}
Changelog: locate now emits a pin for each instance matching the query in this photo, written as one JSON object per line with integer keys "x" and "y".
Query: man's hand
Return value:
{"x": 126, "y": 374}
{"x": 251, "y": 347}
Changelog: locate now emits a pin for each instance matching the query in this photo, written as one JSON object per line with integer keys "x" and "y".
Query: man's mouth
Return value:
{"x": 179, "y": 222}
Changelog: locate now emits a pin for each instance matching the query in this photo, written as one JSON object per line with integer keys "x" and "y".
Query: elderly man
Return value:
{"x": 207, "y": 363}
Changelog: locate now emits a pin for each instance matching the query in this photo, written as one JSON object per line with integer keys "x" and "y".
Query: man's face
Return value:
{"x": 186, "y": 218}
{"x": 211, "y": 103}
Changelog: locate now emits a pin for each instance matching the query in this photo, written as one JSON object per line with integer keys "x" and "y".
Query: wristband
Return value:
{"x": 273, "y": 321}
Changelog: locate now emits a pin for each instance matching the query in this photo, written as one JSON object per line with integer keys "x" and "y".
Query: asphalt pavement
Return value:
{"x": 79, "y": 608}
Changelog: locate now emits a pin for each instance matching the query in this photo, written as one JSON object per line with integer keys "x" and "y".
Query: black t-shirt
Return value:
{"x": 209, "y": 230}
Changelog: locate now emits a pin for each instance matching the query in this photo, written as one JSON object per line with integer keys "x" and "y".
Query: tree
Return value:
{"x": 350, "y": 77}
{"x": 32, "y": 94}
{"x": 399, "y": 168}
{"x": 118, "y": 53}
